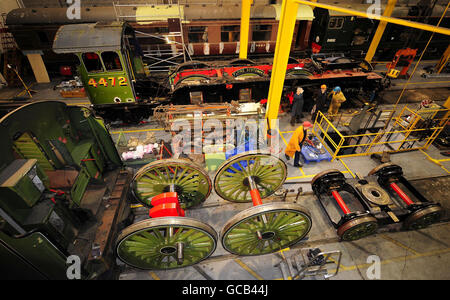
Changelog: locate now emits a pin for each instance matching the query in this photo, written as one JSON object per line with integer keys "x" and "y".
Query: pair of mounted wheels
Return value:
{"x": 354, "y": 225}
{"x": 172, "y": 242}
{"x": 421, "y": 215}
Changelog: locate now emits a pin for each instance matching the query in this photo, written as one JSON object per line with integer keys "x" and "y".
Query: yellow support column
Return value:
{"x": 282, "y": 49}
{"x": 245, "y": 28}
{"x": 447, "y": 103}
{"x": 380, "y": 30}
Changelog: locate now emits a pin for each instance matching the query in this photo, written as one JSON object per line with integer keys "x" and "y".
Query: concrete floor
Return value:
{"x": 413, "y": 255}
{"x": 422, "y": 254}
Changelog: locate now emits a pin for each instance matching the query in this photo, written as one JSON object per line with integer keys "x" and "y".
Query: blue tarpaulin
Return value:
{"x": 314, "y": 154}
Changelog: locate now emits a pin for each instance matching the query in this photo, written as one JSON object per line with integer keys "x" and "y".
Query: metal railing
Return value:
{"x": 161, "y": 60}
{"x": 408, "y": 130}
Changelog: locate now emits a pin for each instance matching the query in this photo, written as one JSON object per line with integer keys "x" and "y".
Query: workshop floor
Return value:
{"x": 421, "y": 254}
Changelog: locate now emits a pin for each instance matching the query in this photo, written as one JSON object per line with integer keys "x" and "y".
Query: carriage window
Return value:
{"x": 230, "y": 33}
{"x": 198, "y": 34}
{"x": 261, "y": 32}
{"x": 336, "y": 23}
{"x": 92, "y": 62}
{"x": 111, "y": 61}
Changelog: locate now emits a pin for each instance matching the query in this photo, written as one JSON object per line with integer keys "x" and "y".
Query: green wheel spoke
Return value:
{"x": 181, "y": 176}
{"x": 148, "y": 245}
{"x": 191, "y": 182}
{"x": 284, "y": 225}
{"x": 231, "y": 180}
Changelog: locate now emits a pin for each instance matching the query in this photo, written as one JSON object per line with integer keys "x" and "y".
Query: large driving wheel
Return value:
{"x": 190, "y": 181}
{"x": 267, "y": 171}
{"x": 266, "y": 228}
{"x": 166, "y": 243}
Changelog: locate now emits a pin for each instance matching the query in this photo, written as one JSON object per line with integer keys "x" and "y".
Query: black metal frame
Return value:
{"x": 394, "y": 173}
{"x": 338, "y": 183}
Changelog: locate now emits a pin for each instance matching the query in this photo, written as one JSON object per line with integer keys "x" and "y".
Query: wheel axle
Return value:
{"x": 262, "y": 228}
{"x": 168, "y": 239}
{"x": 422, "y": 214}
{"x": 352, "y": 225}
{"x": 189, "y": 181}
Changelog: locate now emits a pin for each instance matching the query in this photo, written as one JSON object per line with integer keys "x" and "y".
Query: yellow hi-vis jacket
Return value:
{"x": 294, "y": 143}
{"x": 337, "y": 98}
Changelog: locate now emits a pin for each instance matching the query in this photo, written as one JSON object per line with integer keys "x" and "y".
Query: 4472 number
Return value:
{"x": 109, "y": 81}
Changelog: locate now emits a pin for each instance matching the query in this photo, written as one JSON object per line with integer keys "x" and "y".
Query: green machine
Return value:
{"x": 52, "y": 155}
{"x": 110, "y": 67}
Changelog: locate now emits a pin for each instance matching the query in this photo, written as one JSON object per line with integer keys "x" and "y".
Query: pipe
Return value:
{"x": 401, "y": 194}
{"x": 254, "y": 192}
{"x": 341, "y": 202}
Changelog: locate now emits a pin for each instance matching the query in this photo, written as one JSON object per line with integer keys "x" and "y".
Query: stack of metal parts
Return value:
{"x": 309, "y": 262}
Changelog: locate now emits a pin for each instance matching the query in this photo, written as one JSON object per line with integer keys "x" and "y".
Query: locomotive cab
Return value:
{"x": 107, "y": 64}
{"x": 110, "y": 66}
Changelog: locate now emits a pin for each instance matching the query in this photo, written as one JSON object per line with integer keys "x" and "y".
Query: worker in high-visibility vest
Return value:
{"x": 295, "y": 143}
{"x": 337, "y": 98}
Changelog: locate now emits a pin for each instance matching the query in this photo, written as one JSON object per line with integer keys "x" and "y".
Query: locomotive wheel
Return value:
{"x": 380, "y": 167}
{"x": 324, "y": 173}
{"x": 423, "y": 217}
{"x": 166, "y": 243}
{"x": 266, "y": 228}
{"x": 302, "y": 73}
{"x": 267, "y": 171}
{"x": 193, "y": 64}
{"x": 193, "y": 78}
{"x": 241, "y": 62}
{"x": 190, "y": 181}
{"x": 327, "y": 180}
{"x": 357, "y": 228}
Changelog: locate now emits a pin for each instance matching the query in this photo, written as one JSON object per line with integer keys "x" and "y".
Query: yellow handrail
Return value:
{"x": 323, "y": 127}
